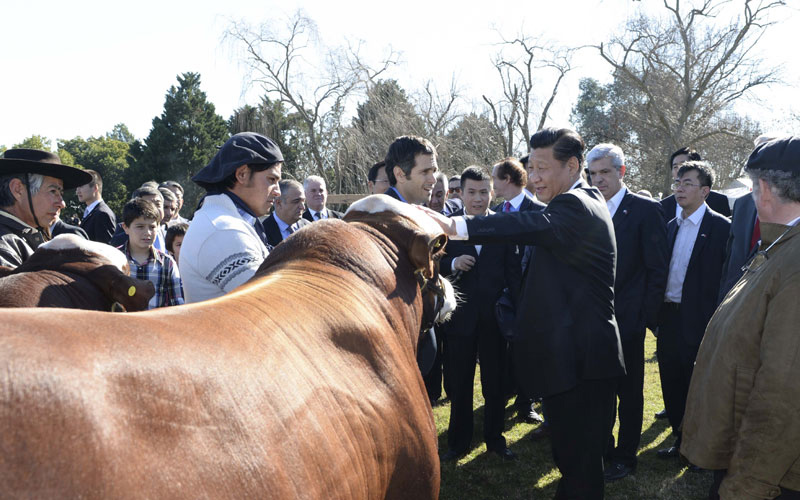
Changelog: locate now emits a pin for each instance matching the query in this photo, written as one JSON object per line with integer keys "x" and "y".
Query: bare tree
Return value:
{"x": 316, "y": 82}
{"x": 689, "y": 68}
{"x": 522, "y": 64}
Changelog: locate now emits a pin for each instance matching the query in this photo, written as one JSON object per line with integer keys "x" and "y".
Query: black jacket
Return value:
{"x": 497, "y": 267}
{"x": 17, "y": 241}
{"x": 738, "y": 248}
{"x": 61, "y": 227}
{"x": 274, "y": 235}
{"x": 100, "y": 223}
{"x": 566, "y": 328}
{"x": 701, "y": 284}
{"x": 642, "y": 264}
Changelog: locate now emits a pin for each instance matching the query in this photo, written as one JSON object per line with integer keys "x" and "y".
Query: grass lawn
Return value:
{"x": 481, "y": 475}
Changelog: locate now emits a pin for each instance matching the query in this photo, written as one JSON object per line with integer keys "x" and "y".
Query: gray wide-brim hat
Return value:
{"x": 35, "y": 161}
{"x": 246, "y": 148}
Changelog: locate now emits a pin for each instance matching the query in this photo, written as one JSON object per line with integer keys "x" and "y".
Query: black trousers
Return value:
{"x": 630, "y": 392}
{"x": 719, "y": 475}
{"x": 460, "y": 357}
{"x": 675, "y": 364}
{"x": 580, "y": 420}
{"x": 433, "y": 379}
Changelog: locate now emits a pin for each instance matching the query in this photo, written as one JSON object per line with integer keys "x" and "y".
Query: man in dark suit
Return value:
{"x": 286, "y": 218}
{"x": 742, "y": 242}
{"x": 697, "y": 241}
{"x": 480, "y": 272}
{"x": 642, "y": 254}
{"x": 718, "y": 202}
{"x": 568, "y": 337}
{"x": 316, "y": 193}
{"x": 509, "y": 178}
{"x": 61, "y": 227}
{"x": 98, "y": 219}
{"x": 411, "y": 168}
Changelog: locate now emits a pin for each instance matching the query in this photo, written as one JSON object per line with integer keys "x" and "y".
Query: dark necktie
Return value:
{"x": 318, "y": 216}
{"x": 507, "y": 206}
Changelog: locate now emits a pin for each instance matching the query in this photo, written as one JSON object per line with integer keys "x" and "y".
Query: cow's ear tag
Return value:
{"x": 131, "y": 291}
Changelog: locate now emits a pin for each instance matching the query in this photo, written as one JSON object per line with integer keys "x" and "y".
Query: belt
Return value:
{"x": 672, "y": 306}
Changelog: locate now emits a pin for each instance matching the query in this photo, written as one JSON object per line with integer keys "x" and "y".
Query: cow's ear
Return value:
{"x": 133, "y": 294}
{"x": 424, "y": 249}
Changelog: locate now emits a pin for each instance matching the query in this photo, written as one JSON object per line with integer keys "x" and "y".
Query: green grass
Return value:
{"x": 481, "y": 475}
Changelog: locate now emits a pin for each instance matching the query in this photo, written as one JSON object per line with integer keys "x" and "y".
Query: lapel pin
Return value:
{"x": 703, "y": 235}
{"x": 624, "y": 212}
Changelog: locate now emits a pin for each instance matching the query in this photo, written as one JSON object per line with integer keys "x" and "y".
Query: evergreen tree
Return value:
{"x": 182, "y": 141}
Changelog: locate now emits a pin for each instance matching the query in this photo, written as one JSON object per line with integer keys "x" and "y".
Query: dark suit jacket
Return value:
{"x": 100, "y": 223}
{"x": 566, "y": 327}
{"x": 738, "y": 249}
{"x": 119, "y": 237}
{"x": 274, "y": 235}
{"x": 717, "y": 201}
{"x": 642, "y": 264}
{"x": 61, "y": 227}
{"x": 393, "y": 193}
{"x": 701, "y": 284}
{"x": 332, "y": 214}
{"x": 528, "y": 203}
{"x": 496, "y": 268}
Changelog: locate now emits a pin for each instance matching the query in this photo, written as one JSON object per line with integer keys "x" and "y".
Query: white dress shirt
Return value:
{"x": 517, "y": 201}
{"x": 682, "y": 252}
{"x": 613, "y": 203}
{"x": 284, "y": 227}
{"x": 322, "y": 214}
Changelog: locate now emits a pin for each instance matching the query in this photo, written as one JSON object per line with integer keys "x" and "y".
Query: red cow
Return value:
{"x": 302, "y": 383}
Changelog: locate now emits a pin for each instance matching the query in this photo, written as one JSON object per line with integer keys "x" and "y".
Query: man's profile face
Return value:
{"x": 437, "y": 197}
{"x": 551, "y": 177}
{"x": 606, "y": 177}
{"x": 476, "y": 196}
{"x": 381, "y": 183}
{"x": 260, "y": 189}
{"x": 170, "y": 210}
{"x": 416, "y": 188}
{"x": 85, "y": 192}
{"x": 291, "y": 205}
{"x": 676, "y": 164}
{"x": 316, "y": 195}
{"x": 454, "y": 190}
{"x": 47, "y": 202}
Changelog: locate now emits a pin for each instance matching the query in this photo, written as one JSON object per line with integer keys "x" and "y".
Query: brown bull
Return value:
{"x": 302, "y": 383}
{"x": 72, "y": 272}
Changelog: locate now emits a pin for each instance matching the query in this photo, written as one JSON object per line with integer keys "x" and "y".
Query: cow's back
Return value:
{"x": 248, "y": 395}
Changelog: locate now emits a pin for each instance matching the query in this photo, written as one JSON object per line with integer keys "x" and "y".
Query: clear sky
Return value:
{"x": 78, "y": 68}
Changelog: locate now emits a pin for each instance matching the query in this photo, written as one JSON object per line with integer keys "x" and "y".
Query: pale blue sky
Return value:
{"x": 78, "y": 68}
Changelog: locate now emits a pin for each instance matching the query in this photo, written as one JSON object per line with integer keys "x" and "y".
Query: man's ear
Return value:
{"x": 17, "y": 188}
{"x": 574, "y": 166}
{"x": 622, "y": 170}
{"x": 242, "y": 174}
{"x": 398, "y": 173}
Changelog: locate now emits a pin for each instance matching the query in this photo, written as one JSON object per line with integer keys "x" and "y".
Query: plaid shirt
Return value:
{"x": 162, "y": 271}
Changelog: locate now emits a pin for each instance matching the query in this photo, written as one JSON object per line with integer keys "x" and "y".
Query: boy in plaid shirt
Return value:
{"x": 140, "y": 222}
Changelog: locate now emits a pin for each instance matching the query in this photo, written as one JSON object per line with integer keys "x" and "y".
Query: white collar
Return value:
{"x": 517, "y": 200}
{"x": 281, "y": 225}
{"x": 91, "y": 206}
{"x": 696, "y": 217}
{"x": 794, "y": 222}
{"x": 617, "y": 198}
{"x": 314, "y": 213}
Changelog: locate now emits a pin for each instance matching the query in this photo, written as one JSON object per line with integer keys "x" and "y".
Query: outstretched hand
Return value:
{"x": 448, "y": 225}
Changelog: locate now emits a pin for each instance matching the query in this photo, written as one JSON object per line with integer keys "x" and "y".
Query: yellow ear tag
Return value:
{"x": 131, "y": 291}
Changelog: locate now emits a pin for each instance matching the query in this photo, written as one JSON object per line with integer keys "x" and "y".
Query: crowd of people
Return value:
{"x": 561, "y": 270}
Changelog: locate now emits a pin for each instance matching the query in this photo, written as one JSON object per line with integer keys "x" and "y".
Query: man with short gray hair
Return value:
{"x": 641, "y": 236}
{"x": 286, "y": 218}
{"x": 741, "y": 411}
{"x": 316, "y": 197}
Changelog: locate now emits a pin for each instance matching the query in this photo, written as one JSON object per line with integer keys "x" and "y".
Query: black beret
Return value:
{"x": 781, "y": 154}
{"x": 241, "y": 149}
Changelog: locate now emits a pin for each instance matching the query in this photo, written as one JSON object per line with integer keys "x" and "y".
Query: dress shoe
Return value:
{"x": 617, "y": 471}
{"x": 504, "y": 453}
{"x": 540, "y": 432}
{"x": 695, "y": 468}
{"x": 672, "y": 451}
{"x": 451, "y": 456}
{"x": 661, "y": 414}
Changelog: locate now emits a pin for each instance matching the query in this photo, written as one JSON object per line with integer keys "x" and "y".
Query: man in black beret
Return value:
{"x": 744, "y": 398}
{"x": 226, "y": 242}
{"x": 32, "y": 184}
